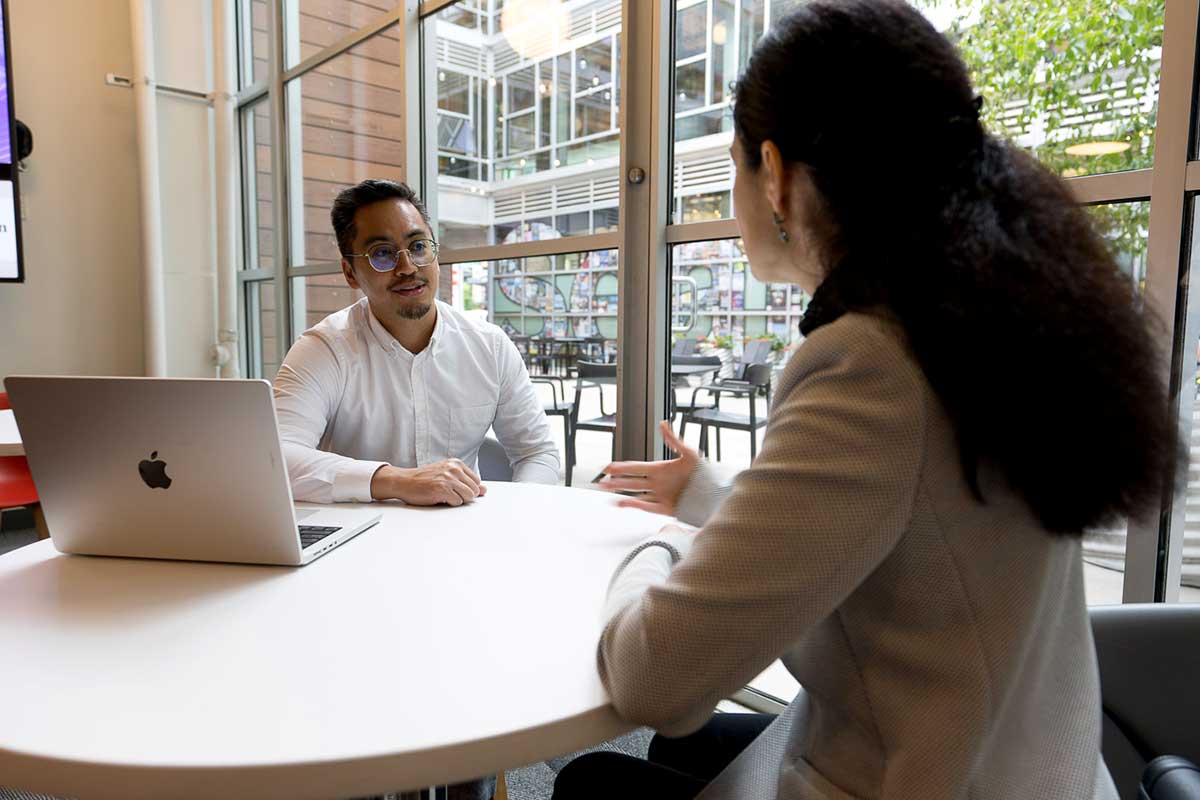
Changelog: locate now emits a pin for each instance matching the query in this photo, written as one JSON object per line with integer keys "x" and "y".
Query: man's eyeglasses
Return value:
{"x": 384, "y": 256}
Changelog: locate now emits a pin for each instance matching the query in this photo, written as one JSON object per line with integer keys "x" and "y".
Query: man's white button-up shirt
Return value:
{"x": 351, "y": 399}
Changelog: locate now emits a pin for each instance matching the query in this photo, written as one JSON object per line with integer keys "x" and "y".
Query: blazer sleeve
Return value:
{"x": 824, "y": 503}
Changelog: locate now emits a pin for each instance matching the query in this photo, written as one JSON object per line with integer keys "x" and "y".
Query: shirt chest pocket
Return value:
{"x": 468, "y": 426}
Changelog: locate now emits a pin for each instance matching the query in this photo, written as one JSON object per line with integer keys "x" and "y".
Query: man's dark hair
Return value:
{"x": 350, "y": 200}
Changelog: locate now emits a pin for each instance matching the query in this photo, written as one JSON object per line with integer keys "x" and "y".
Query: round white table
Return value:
{"x": 441, "y": 645}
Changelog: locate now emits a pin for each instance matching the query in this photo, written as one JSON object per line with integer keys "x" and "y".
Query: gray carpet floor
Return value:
{"x": 534, "y": 782}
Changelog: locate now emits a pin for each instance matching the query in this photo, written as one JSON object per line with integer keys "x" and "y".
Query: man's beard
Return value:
{"x": 413, "y": 312}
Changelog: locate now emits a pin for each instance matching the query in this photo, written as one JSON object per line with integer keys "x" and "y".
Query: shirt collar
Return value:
{"x": 388, "y": 342}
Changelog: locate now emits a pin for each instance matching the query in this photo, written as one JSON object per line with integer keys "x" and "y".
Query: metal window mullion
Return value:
{"x": 542, "y": 247}
{"x": 1112, "y": 187}
{"x": 686, "y": 233}
{"x": 244, "y": 337}
{"x": 430, "y": 7}
{"x": 644, "y": 289}
{"x": 250, "y": 94}
{"x": 1193, "y": 176}
{"x": 420, "y": 91}
{"x": 279, "y": 185}
{"x": 1148, "y": 542}
{"x": 316, "y": 268}
{"x": 340, "y": 47}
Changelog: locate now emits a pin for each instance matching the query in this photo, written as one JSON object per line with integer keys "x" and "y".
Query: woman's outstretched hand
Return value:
{"x": 660, "y": 482}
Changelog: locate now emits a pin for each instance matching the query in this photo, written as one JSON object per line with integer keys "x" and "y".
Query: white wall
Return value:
{"x": 80, "y": 309}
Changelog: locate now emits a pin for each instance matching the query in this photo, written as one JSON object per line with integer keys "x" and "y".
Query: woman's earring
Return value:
{"x": 783, "y": 235}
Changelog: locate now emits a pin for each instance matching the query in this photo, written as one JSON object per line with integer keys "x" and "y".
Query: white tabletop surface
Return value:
{"x": 10, "y": 440}
{"x": 440, "y": 645}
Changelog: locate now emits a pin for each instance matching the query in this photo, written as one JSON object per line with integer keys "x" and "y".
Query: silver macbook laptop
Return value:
{"x": 169, "y": 468}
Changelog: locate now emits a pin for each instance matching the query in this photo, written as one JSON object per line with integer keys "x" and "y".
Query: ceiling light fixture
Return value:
{"x": 1098, "y": 148}
{"x": 533, "y": 27}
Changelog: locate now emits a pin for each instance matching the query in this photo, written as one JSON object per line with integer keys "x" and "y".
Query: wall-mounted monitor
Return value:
{"x": 11, "y": 264}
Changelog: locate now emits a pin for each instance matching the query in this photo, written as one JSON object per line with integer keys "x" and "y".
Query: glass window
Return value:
{"x": 595, "y": 66}
{"x": 723, "y": 308}
{"x": 593, "y": 115}
{"x": 1125, "y": 226}
{"x": 1083, "y": 99}
{"x": 261, "y": 334}
{"x": 545, "y": 101}
{"x": 310, "y": 26}
{"x": 713, "y": 41}
{"x": 691, "y": 29}
{"x": 454, "y": 92}
{"x": 1082, "y": 108}
{"x": 560, "y": 310}
{"x": 520, "y": 90}
{"x": 520, "y": 134}
{"x": 254, "y": 21}
{"x": 1183, "y": 571}
{"x": 348, "y": 117}
{"x": 257, "y": 178}
{"x": 689, "y": 86}
{"x": 314, "y": 297}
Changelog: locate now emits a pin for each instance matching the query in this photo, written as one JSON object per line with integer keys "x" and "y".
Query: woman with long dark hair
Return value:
{"x": 978, "y": 385}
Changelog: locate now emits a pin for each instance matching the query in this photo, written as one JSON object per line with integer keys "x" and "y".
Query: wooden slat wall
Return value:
{"x": 351, "y": 116}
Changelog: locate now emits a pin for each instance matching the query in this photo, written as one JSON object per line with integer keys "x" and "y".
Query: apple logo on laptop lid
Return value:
{"x": 154, "y": 472}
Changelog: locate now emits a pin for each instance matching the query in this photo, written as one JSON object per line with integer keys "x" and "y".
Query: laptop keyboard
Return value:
{"x": 311, "y": 534}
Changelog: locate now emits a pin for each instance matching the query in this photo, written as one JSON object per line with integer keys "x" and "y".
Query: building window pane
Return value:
{"x": 257, "y": 186}
{"x": 1125, "y": 227}
{"x": 261, "y": 338}
{"x": 594, "y": 67}
{"x": 547, "y": 102}
{"x": 1183, "y": 571}
{"x": 1082, "y": 103}
{"x": 253, "y": 23}
{"x": 593, "y": 115}
{"x": 347, "y": 124}
{"x": 314, "y": 297}
{"x": 310, "y": 26}
{"x": 520, "y": 90}
{"x": 691, "y": 30}
{"x": 689, "y": 86}
{"x": 520, "y": 134}
{"x": 1085, "y": 107}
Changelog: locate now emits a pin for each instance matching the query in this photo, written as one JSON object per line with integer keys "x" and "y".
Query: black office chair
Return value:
{"x": 690, "y": 405}
{"x": 493, "y": 461}
{"x": 756, "y": 378}
{"x": 1149, "y": 658}
{"x": 543, "y": 355}
{"x": 754, "y": 353}
{"x": 1170, "y": 778}
{"x": 591, "y": 375}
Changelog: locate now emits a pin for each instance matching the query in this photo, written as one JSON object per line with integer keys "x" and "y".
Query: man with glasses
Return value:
{"x": 392, "y": 397}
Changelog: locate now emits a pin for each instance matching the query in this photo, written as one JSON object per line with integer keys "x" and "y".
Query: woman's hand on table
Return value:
{"x": 659, "y": 483}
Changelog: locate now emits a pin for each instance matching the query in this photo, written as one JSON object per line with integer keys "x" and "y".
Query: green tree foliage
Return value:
{"x": 1057, "y": 73}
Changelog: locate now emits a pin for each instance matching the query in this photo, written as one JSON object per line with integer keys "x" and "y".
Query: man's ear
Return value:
{"x": 348, "y": 272}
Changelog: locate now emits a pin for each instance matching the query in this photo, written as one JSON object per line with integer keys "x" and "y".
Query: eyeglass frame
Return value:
{"x": 407, "y": 254}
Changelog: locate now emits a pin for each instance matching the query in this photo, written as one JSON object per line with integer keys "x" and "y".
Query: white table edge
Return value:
{"x": 377, "y": 774}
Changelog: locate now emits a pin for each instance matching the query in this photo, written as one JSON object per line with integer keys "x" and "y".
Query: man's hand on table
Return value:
{"x": 449, "y": 482}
